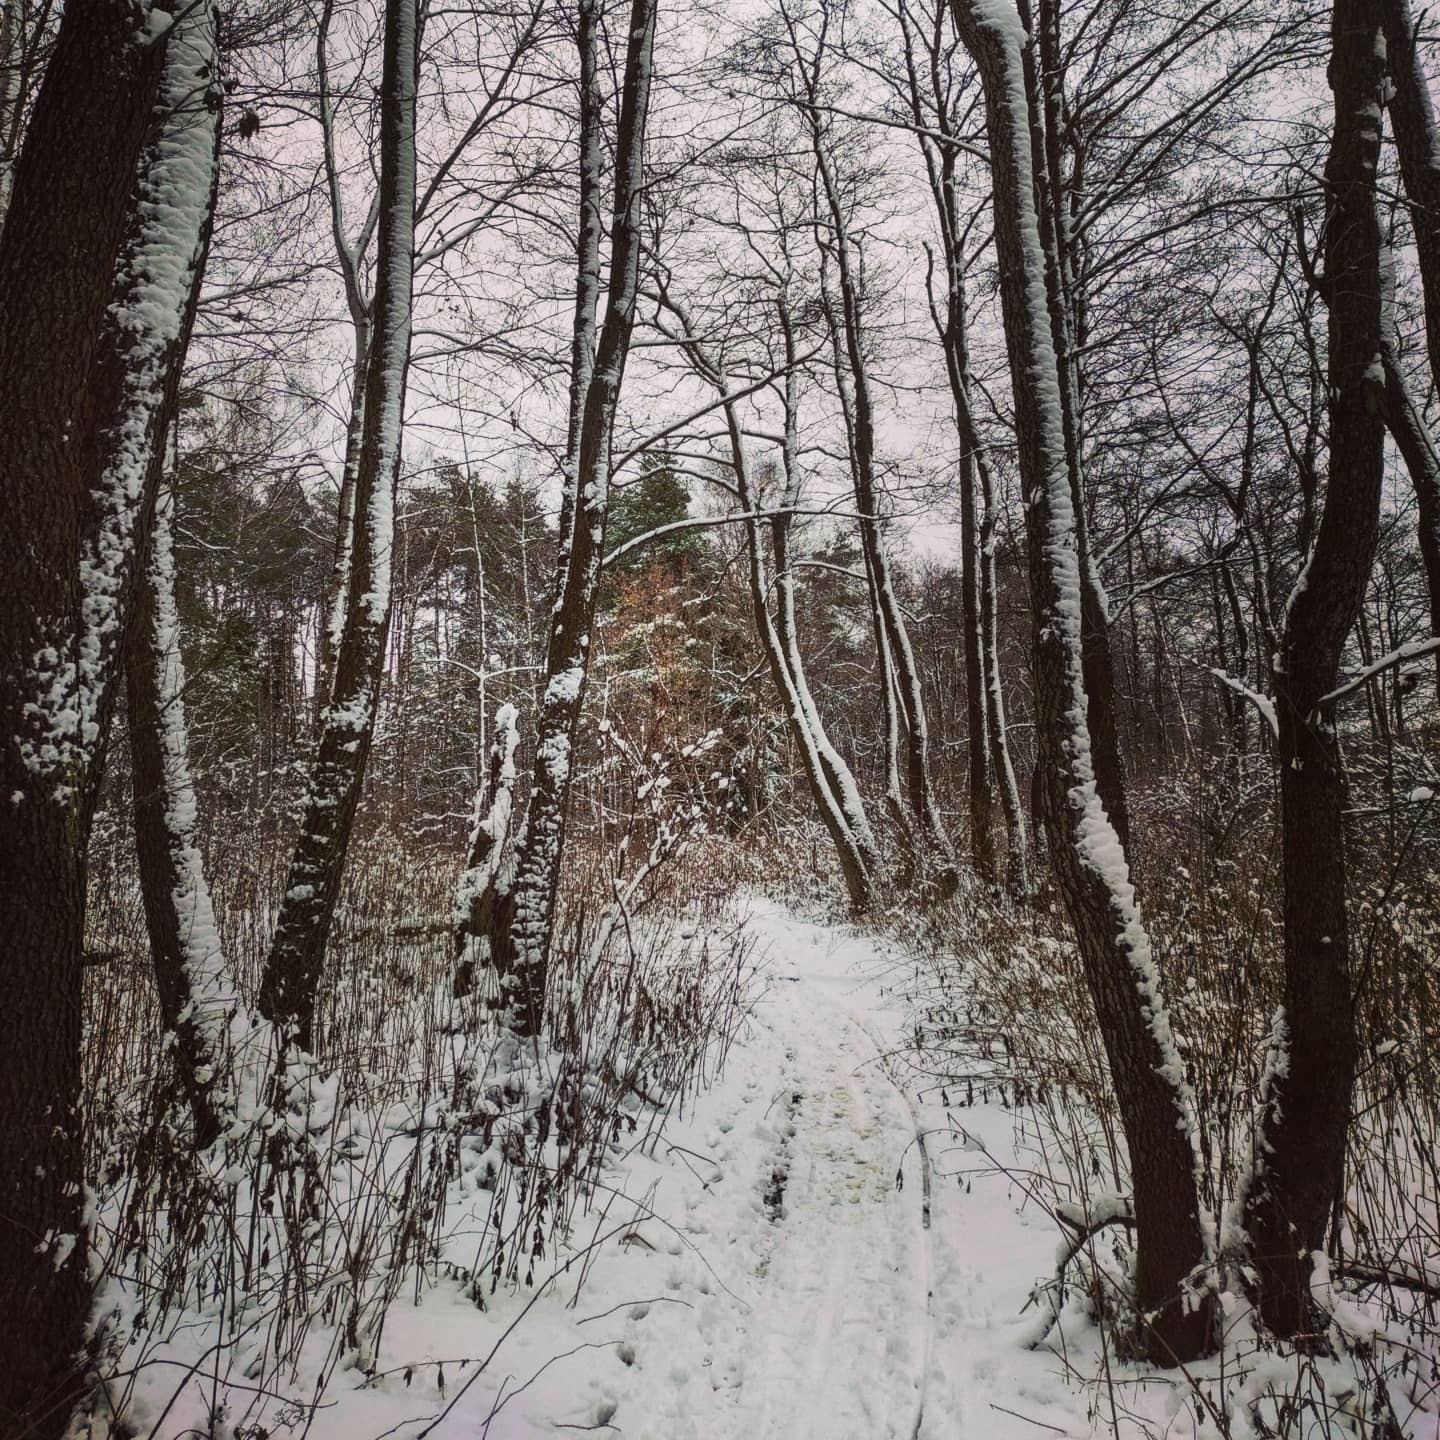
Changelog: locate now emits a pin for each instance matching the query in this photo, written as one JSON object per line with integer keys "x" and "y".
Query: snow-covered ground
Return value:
{"x": 787, "y": 1260}
{"x": 770, "y": 1271}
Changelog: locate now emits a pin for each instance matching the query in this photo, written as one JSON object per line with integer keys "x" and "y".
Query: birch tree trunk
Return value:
{"x": 293, "y": 967}
{"x": 523, "y": 924}
{"x": 97, "y": 262}
{"x": 1156, "y": 1108}
{"x": 1302, "y": 1131}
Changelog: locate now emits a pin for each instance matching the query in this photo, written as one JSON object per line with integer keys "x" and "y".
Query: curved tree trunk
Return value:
{"x": 1155, "y": 1104}
{"x": 1302, "y": 1131}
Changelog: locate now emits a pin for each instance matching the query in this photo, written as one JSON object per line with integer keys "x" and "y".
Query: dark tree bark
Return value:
{"x": 72, "y": 201}
{"x": 293, "y": 967}
{"x": 1155, "y": 1105}
{"x": 1303, "y": 1129}
{"x": 523, "y": 924}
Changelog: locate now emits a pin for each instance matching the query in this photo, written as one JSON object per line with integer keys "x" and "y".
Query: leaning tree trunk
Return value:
{"x": 1155, "y": 1104}
{"x": 835, "y": 772}
{"x": 832, "y": 786}
{"x": 1302, "y": 1130}
{"x": 199, "y": 1003}
{"x": 87, "y": 393}
{"x": 524, "y": 923}
{"x": 291, "y": 980}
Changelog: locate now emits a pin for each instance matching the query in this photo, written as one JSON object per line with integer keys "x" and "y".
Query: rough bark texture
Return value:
{"x": 524, "y": 923}
{"x": 293, "y": 967}
{"x": 1302, "y": 1132}
{"x": 1088, "y": 858}
{"x": 169, "y": 863}
{"x": 72, "y": 188}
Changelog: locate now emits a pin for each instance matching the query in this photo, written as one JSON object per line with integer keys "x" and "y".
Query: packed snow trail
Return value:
{"x": 813, "y": 1300}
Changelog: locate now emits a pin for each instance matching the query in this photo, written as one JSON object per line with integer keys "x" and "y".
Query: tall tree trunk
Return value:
{"x": 88, "y": 385}
{"x": 198, "y": 999}
{"x": 1303, "y": 1128}
{"x": 1155, "y": 1104}
{"x": 522, "y": 936}
{"x": 293, "y": 967}
{"x": 836, "y": 773}
{"x": 349, "y": 257}
{"x": 988, "y": 756}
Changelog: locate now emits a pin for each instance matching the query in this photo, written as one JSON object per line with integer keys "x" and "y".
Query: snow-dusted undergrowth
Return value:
{"x": 405, "y": 1176}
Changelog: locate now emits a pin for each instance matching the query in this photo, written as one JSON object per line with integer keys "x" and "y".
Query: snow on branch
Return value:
{"x": 1263, "y": 703}
{"x": 1415, "y": 650}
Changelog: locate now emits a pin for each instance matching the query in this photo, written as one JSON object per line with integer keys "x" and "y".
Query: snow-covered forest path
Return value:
{"x": 765, "y": 1277}
{"x": 796, "y": 1289}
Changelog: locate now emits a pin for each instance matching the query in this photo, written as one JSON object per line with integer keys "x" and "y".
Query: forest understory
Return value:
{"x": 719, "y": 721}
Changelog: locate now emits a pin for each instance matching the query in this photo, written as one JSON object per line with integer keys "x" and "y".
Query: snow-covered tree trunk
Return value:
{"x": 486, "y": 854}
{"x": 1156, "y": 1108}
{"x": 832, "y": 786}
{"x": 1055, "y": 194}
{"x": 834, "y": 772}
{"x": 98, "y": 260}
{"x": 1302, "y": 1133}
{"x": 297, "y": 952}
{"x": 931, "y": 107}
{"x": 523, "y": 924}
{"x": 198, "y": 1001}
